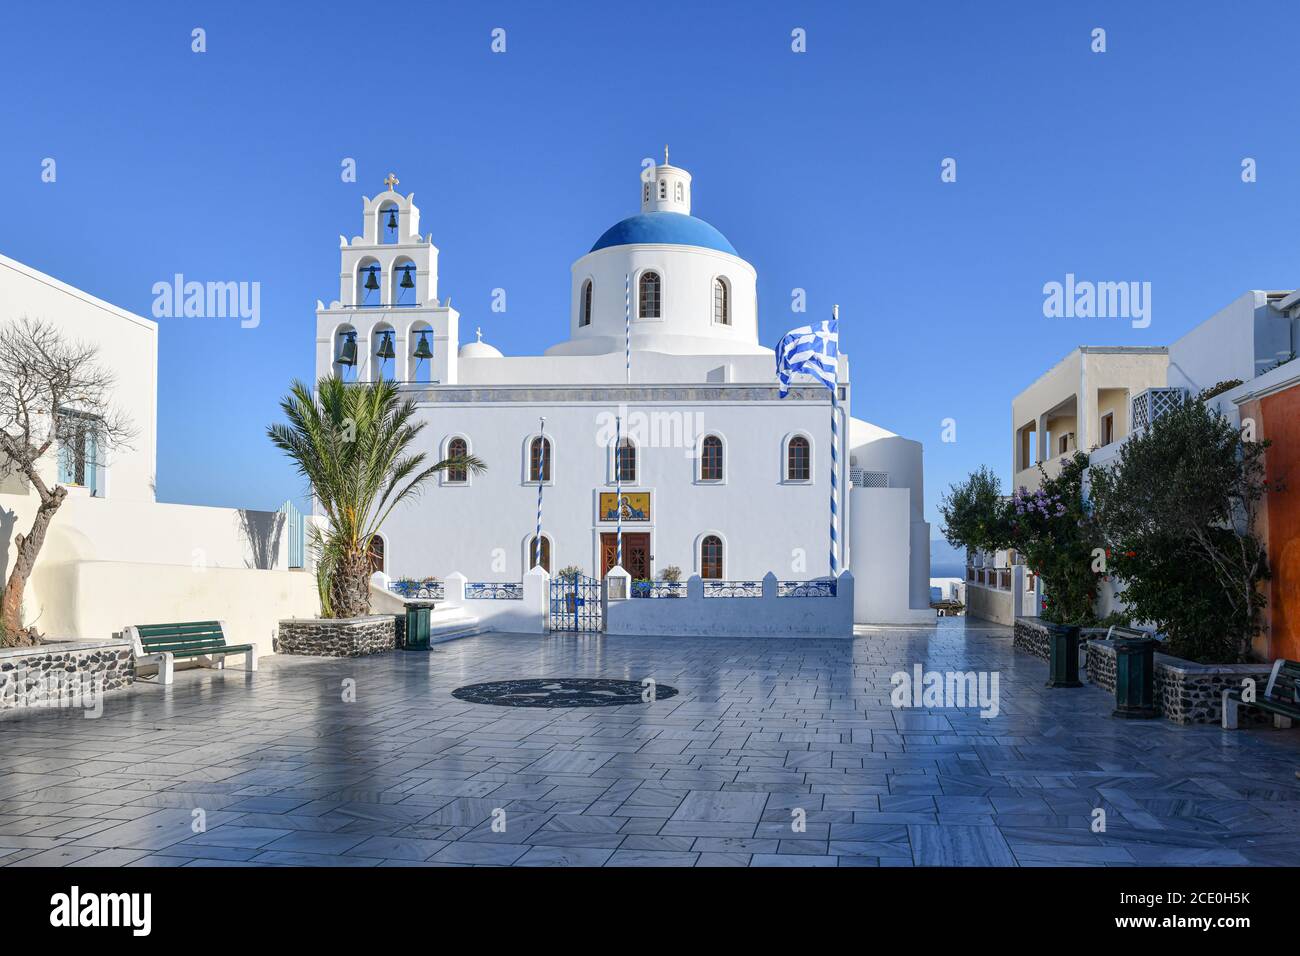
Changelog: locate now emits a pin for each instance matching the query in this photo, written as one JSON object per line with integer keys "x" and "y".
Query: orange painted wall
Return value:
{"x": 1280, "y": 415}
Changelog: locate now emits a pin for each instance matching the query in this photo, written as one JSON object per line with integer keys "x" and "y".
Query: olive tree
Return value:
{"x": 56, "y": 398}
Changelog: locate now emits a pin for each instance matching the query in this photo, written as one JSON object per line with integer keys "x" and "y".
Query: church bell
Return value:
{"x": 386, "y": 346}
{"x": 392, "y": 219}
{"x": 407, "y": 282}
{"x": 348, "y": 351}
{"x": 372, "y": 283}
{"x": 422, "y": 350}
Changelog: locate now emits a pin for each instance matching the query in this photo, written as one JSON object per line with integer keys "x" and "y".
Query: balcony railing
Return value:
{"x": 493, "y": 591}
{"x": 824, "y": 587}
{"x": 997, "y": 578}
{"x": 426, "y": 590}
{"x": 1150, "y": 404}
{"x": 737, "y": 589}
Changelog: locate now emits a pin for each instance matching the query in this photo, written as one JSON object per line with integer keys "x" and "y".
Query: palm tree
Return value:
{"x": 352, "y": 442}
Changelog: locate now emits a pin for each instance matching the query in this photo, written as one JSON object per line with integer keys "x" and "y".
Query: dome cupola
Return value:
{"x": 677, "y": 278}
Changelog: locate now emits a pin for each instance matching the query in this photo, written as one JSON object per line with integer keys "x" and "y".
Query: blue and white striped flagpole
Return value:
{"x": 627, "y": 325}
{"x": 541, "y": 480}
{"x": 835, "y": 465}
{"x": 618, "y": 487}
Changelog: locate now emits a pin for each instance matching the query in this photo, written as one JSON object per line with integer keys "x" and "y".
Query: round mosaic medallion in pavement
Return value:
{"x": 559, "y": 692}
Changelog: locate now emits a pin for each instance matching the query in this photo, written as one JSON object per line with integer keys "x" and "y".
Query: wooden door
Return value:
{"x": 636, "y": 553}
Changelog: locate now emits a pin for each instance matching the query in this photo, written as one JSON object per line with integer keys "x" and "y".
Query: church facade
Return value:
{"x": 715, "y": 475}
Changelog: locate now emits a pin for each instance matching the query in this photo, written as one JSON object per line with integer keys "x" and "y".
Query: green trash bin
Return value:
{"x": 1135, "y": 675}
{"x": 417, "y": 627}
{"x": 1063, "y": 645}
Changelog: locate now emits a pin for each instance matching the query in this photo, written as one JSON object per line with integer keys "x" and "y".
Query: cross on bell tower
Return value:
{"x": 391, "y": 180}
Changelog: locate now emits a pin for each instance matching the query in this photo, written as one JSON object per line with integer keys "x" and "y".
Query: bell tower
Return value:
{"x": 388, "y": 322}
{"x": 666, "y": 189}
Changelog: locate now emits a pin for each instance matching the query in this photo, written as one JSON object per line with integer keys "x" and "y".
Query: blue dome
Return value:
{"x": 664, "y": 228}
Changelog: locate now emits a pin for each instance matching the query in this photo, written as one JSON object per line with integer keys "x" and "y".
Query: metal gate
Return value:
{"x": 575, "y": 604}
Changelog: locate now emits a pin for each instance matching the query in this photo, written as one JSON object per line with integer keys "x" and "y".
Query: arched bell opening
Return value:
{"x": 369, "y": 283}
{"x": 383, "y": 346}
{"x": 404, "y": 291}
{"x": 389, "y": 223}
{"x": 419, "y": 343}
{"x": 346, "y": 355}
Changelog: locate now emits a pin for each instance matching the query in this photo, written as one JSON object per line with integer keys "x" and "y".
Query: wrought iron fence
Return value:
{"x": 426, "y": 590}
{"x": 493, "y": 591}
{"x": 739, "y": 589}
{"x": 826, "y": 587}
{"x": 658, "y": 589}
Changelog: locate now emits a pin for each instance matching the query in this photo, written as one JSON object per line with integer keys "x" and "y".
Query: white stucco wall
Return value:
{"x": 99, "y": 598}
{"x": 766, "y": 616}
{"x": 883, "y": 542}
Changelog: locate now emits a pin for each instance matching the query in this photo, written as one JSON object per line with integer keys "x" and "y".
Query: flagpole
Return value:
{"x": 618, "y": 421}
{"x": 541, "y": 480}
{"x": 618, "y": 489}
{"x": 835, "y": 462}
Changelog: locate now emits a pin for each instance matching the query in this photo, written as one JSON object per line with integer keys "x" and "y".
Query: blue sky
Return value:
{"x": 823, "y": 168}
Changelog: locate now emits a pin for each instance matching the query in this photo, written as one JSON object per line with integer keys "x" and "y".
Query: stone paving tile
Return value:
{"x": 289, "y": 775}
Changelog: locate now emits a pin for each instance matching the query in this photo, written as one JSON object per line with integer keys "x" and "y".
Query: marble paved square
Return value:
{"x": 763, "y": 734}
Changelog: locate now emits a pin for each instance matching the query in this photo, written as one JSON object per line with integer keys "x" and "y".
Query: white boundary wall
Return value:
{"x": 768, "y": 616}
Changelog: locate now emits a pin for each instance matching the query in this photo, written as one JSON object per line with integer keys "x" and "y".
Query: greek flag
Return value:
{"x": 812, "y": 350}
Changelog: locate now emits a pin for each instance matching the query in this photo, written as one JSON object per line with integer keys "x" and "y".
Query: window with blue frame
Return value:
{"x": 79, "y": 457}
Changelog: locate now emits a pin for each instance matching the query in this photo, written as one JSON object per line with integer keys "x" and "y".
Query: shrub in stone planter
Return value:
{"x": 1177, "y": 508}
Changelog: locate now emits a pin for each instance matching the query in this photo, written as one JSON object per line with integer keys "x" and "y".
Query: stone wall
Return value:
{"x": 349, "y": 637}
{"x": 1185, "y": 692}
{"x": 1031, "y": 637}
{"x": 73, "y": 673}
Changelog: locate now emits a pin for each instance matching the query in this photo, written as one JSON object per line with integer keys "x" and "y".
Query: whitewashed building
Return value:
{"x": 721, "y": 478}
{"x": 114, "y": 555}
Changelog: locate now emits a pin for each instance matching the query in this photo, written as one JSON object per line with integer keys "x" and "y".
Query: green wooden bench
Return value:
{"x": 163, "y": 644}
{"x": 1281, "y": 696}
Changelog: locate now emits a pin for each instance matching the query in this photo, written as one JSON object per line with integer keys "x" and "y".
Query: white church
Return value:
{"x": 717, "y": 477}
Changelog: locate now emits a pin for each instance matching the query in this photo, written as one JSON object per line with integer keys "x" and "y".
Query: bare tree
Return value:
{"x": 55, "y": 399}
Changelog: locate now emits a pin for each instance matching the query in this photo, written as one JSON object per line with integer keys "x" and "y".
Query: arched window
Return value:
{"x": 649, "y": 296}
{"x": 798, "y": 463}
{"x": 457, "y": 474}
{"x": 645, "y": 193}
{"x": 539, "y": 459}
{"x": 711, "y": 557}
{"x": 544, "y": 550}
{"x": 680, "y": 192}
{"x": 376, "y": 554}
{"x": 721, "y": 302}
{"x": 711, "y": 459}
{"x": 584, "y": 307}
{"x": 663, "y": 189}
{"x": 625, "y": 461}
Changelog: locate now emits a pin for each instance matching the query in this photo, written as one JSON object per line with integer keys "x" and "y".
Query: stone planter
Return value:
{"x": 63, "y": 673}
{"x": 1185, "y": 692}
{"x": 341, "y": 637}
